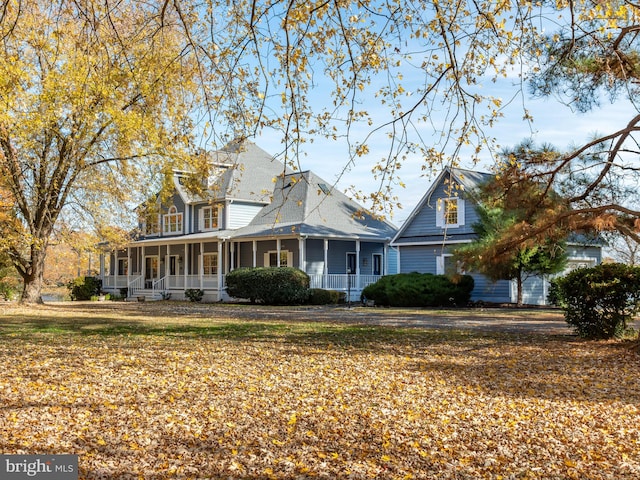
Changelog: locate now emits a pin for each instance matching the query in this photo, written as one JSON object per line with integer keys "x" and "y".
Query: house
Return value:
{"x": 257, "y": 213}
{"x": 443, "y": 220}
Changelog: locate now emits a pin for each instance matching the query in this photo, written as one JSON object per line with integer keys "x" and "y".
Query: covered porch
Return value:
{"x": 162, "y": 268}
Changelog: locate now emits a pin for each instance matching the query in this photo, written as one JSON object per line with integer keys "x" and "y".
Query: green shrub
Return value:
{"x": 7, "y": 291}
{"x": 194, "y": 294}
{"x": 420, "y": 290}
{"x": 269, "y": 285}
{"x": 83, "y": 288}
{"x": 598, "y": 301}
{"x": 319, "y": 296}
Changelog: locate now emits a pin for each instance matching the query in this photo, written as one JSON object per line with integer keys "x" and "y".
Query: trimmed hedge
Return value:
{"x": 319, "y": 296}
{"x": 83, "y": 288}
{"x": 420, "y": 290}
{"x": 599, "y": 301}
{"x": 269, "y": 285}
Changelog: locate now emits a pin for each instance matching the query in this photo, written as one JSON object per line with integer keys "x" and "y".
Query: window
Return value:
{"x": 173, "y": 221}
{"x": 271, "y": 259}
{"x": 446, "y": 265}
{"x": 210, "y": 263}
{"x": 123, "y": 266}
{"x": 450, "y": 212}
{"x": 209, "y": 218}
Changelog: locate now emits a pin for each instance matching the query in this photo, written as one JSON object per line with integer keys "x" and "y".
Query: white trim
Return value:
{"x": 435, "y": 242}
{"x": 441, "y": 212}
{"x": 278, "y": 253}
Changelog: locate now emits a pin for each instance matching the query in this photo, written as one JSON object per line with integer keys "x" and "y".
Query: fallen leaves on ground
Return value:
{"x": 325, "y": 401}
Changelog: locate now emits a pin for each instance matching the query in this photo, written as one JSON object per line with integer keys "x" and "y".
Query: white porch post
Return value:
{"x": 186, "y": 264}
{"x": 278, "y": 248}
{"x": 143, "y": 267}
{"x": 115, "y": 270}
{"x": 255, "y": 253}
{"x": 232, "y": 247}
{"x": 219, "y": 271}
{"x": 201, "y": 265}
{"x": 325, "y": 268}
{"x": 167, "y": 261}
{"x": 385, "y": 253}
{"x": 129, "y": 266}
{"x": 357, "y": 272}
{"x": 302, "y": 253}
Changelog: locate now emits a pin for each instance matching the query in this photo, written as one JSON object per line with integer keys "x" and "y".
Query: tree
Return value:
{"x": 257, "y": 64}
{"x": 503, "y": 249}
{"x": 92, "y": 95}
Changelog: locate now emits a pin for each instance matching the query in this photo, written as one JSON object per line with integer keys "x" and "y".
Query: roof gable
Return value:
{"x": 457, "y": 180}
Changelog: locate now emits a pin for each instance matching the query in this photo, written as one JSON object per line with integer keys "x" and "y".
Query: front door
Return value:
{"x": 150, "y": 270}
{"x": 377, "y": 264}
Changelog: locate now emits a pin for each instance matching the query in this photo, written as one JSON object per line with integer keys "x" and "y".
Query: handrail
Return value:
{"x": 159, "y": 284}
{"x": 135, "y": 286}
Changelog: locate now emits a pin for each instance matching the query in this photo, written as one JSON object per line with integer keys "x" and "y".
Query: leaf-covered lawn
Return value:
{"x": 191, "y": 397}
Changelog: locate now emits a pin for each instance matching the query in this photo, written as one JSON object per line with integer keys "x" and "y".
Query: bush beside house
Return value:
{"x": 83, "y": 288}
{"x": 599, "y": 301}
{"x": 420, "y": 290}
{"x": 269, "y": 285}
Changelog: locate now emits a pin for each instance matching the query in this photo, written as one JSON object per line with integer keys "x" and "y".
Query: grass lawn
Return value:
{"x": 152, "y": 394}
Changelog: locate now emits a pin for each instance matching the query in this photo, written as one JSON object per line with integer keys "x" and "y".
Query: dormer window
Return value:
{"x": 172, "y": 221}
{"x": 450, "y": 212}
{"x": 209, "y": 218}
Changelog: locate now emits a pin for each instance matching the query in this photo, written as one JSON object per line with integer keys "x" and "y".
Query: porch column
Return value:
{"x": 186, "y": 264}
{"x": 232, "y": 263}
{"x": 219, "y": 270}
{"x": 129, "y": 266}
{"x": 167, "y": 261}
{"x": 201, "y": 265}
{"x": 115, "y": 270}
{"x": 357, "y": 272}
{"x": 302, "y": 252}
{"x": 325, "y": 268}
{"x": 278, "y": 248}
{"x": 101, "y": 260}
{"x": 143, "y": 268}
{"x": 255, "y": 253}
{"x": 385, "y": 259}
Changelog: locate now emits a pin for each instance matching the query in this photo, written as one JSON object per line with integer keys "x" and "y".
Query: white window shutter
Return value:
{"x": 460, "y": 211}
{"x": 440, "y": 212}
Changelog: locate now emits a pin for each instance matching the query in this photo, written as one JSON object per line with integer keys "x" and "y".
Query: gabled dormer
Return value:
{"x": 446, "y": 211}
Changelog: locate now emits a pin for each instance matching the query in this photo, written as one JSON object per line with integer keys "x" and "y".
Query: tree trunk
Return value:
{"x": 33, "y": 276}
{"x": 519, "y": 288}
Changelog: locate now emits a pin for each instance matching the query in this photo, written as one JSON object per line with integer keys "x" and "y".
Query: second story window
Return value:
{"x": 172, "y": 221}
{"x": 450, "y": 212}
{"x": 209, "y": 218}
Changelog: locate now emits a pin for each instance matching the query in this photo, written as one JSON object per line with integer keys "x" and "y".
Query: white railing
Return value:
{"x": 342, "y": 281}
{"x": 159, "y": 285}
{"x": 180, "y": 282}
{"x": 112, "y": 281}
{"x": 136, "y": 285}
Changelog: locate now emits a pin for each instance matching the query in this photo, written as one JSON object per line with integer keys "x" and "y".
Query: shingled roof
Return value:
{"x": 305, "y": 204}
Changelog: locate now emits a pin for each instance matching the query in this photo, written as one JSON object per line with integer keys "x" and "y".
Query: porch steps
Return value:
{"x": 147, "y": 294}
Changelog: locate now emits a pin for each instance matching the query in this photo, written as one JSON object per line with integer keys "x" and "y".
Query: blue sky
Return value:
{"x": 553, "y": 123}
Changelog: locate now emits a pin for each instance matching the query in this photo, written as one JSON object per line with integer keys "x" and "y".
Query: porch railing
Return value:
{"x": 159, "y": 285}
{"x": 136, "y": 285}
{"x": 339, "y": 281}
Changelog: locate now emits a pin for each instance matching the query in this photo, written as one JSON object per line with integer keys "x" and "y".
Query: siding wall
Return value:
{"x": 240, "y": 214}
